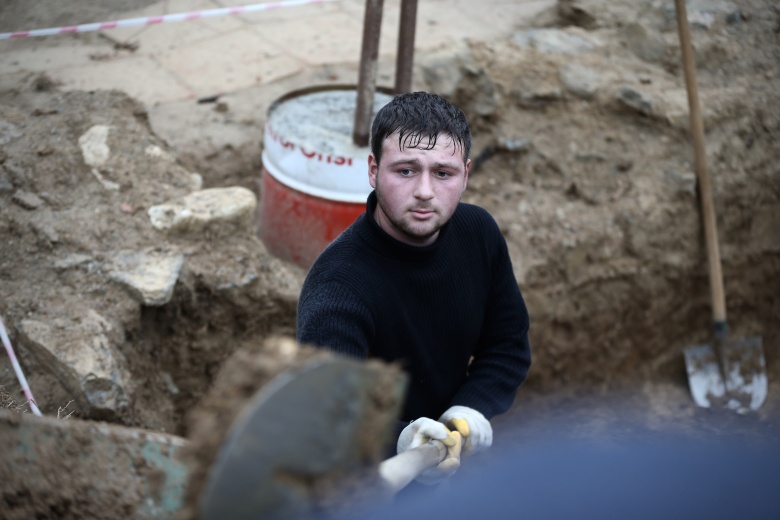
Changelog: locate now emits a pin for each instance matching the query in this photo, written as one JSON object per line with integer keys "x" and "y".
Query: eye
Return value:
{"x": 405, "y": 172}
{"x": 442, "y": 174}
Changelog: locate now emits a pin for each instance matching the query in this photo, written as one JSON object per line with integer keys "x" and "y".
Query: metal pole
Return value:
{"x": 369, "y": 55}
{"x": 405, "y": 58}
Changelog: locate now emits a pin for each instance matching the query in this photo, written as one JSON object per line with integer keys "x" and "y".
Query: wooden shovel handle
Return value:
{"x": 705, "y": 188}
{"x": 397, "y": 472}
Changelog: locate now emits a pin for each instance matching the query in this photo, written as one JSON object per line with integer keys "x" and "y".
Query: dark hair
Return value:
{"x": 420, "y": 115}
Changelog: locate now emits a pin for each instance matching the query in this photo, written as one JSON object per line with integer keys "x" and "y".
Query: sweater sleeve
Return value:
{"x": 332, "y": 316}
{"x": 503, "y": 357}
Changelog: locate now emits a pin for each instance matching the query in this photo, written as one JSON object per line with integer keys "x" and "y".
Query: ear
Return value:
{"x": 373, "y": 170}
{"x": 466, "y": 177}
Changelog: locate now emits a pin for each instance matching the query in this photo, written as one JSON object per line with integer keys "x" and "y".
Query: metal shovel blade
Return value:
{"x": 741, "y": 385}
{"x": 303, "y": 426}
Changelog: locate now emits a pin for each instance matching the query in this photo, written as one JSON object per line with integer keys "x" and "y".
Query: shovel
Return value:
{"x": 730, "y": 373}
{"x": 302, "y": 430}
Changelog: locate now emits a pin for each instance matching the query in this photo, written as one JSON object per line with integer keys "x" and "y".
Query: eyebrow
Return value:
{"x": 435, "y": 166}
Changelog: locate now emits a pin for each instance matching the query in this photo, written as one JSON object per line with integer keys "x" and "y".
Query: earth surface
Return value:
{"x": 582, "y": 153}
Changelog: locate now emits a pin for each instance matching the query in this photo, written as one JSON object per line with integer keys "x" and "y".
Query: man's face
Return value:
{"x": 417, "y": 189}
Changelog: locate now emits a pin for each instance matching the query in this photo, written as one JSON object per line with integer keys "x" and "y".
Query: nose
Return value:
{"x": 424, "y": 187}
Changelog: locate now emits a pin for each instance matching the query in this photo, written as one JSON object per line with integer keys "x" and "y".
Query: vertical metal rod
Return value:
{"x": 405, "y": 58}
{"x": 369, "y": 55}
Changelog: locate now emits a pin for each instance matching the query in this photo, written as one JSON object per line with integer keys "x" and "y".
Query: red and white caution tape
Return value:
{"x": 153, "y": 20}
{"x": 18, "y": 369}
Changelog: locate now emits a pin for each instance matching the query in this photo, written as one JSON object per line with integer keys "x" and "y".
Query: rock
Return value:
{"x": 243, "y": 281}
{"x": 72, "y": 260}
{"x": 683, "y": 182}
{"x": 155, "y": 151}
{"x": 196, "y": 181}
{"x": 537, "y": 89}
{"x": 17, "y": 172}
{"x": 27, "y": 200}
{"x": 5, "y": 184}
{"x": 8, "y": 132}
{"x": 674, "y": 108}
{"x": 580, "y": 80}
{"x": 443, "y": 77}
{"x": 716, "y": 105}
{"x": 46, "y": 232}
{"x": 735, "y": 17}
{"x": 219, "y": 211}
{"x": 539, "y": 98}
{"x": 94, "y": 145}
{"x": 107, "y": 184}
{"x": 484, "y": 99}
{"x": 703, "y": 14}
{"x": 645, "y": 43}
{"x": 444, "y": 69}
{"x": 81, "y": 356}
{"x": 636, "y": 100}
{"x": 701, "y": 19}
{"x": 553, "y": 41}
{"x": 712, "y": 51}
{"x": 574, "y": 13}
{"x": 514, "y": 145}
{"x": 150, "y": 276}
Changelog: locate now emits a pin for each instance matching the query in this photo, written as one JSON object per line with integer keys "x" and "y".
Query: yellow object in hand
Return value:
{"x": 451, "y": 439}
{"x": 462, "y": 426}
{"x": 451, "y": 461}
{"x": 454, "y": 450}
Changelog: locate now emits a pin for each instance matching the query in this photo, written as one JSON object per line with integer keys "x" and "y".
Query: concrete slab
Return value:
{"x": 141, "y": 77}
{"x": 24, "y": 56}
{"x": 324, "y": 38}
{"x": 229, "y": 62}
{"x": 157, "y": 39}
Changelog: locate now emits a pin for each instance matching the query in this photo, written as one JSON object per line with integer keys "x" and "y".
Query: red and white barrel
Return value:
{"x": 314, "y": 178}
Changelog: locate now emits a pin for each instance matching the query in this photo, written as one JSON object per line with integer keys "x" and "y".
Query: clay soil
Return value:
{"x": 596, "y": 195}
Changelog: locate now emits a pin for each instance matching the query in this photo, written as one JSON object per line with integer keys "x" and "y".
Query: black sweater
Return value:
{"x": 432, "y": 308}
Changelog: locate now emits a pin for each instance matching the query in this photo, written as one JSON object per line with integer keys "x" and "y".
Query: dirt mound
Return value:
{"x": 76, "y": 236}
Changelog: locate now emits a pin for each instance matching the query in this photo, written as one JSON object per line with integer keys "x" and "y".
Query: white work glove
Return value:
{"x": 423, "y": 430}
{"x": 472, "y": 425}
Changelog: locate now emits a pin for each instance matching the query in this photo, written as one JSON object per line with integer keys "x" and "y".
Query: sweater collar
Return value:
{"x": 383, "y": 243}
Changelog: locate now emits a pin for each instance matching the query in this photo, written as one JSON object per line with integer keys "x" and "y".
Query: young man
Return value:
{"x": 424, "y": 280}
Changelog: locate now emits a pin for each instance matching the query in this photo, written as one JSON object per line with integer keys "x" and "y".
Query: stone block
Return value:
{"x": 216, "y": 211}
{"x": 81, "y": 355}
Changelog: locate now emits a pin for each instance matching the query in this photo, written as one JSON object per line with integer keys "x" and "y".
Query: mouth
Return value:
{"x": 422, "y": 213}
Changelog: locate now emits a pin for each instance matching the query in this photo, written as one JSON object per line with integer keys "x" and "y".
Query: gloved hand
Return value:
{"x": 423, "y": 430}
{"x": 472, "y": 425}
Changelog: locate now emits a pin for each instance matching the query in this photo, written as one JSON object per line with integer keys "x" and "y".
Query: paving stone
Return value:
{"x": 140, "y": 77}
{"x": 229, "y": 62}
